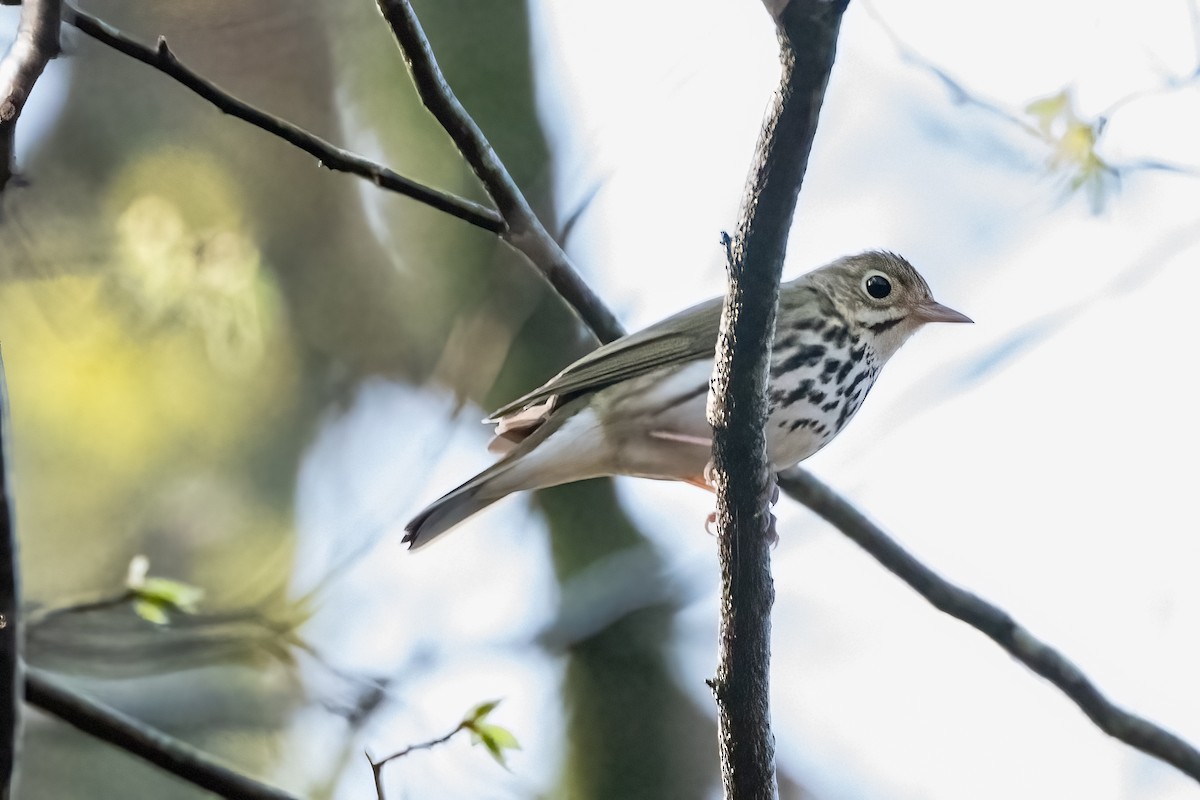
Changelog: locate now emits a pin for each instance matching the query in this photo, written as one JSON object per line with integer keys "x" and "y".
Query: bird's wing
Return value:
{"x": 687, "y": 335}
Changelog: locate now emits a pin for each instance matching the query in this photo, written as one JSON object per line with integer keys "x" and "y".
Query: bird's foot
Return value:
{"x": 771, "y": 532}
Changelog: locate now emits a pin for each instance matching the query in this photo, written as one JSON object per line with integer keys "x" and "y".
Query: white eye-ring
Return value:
{"x": 877, "y": 285}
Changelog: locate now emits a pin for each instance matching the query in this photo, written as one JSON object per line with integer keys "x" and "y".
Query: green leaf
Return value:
{"x": 1045, "y": 111}
{"x": 155, "y": 598}
{"x": 502, "y": 737}
{"x": 151, "y": 611}
{"x": 479, "y": 713}
{"x": 1073, "y": 141}
{"x": 1077, "y": 145}
{"x": 173, "y": 594}
{"x": 496, "y": 739}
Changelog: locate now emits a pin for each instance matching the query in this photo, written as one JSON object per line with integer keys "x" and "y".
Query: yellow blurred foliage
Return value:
{"x": 1073, "y": 141}
{"x": 169, "y": 365}
{"x": 87, "y": 379}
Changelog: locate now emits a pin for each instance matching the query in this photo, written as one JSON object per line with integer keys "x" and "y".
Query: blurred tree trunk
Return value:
{"x": 371, "y": 284}
{"x": 631, "y": 732}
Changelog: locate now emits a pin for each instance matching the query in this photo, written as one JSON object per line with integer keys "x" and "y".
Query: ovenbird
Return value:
{"x": 636, "y": 406}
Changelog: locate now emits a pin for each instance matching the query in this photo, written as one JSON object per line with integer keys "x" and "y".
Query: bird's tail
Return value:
{"x": 529, "y": 466}
{"x": 446, "y": 512}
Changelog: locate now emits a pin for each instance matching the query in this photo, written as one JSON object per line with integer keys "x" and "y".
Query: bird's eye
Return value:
{"x": 878, "y": 286}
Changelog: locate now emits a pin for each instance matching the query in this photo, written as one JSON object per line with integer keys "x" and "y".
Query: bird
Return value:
{"x": 637, "y": 406}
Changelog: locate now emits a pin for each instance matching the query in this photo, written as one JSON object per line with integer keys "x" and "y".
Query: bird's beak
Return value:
{"x": 934, "y": 311}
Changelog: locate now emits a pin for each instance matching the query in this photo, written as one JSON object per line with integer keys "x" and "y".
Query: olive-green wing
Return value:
{"x": 688, "y": 335}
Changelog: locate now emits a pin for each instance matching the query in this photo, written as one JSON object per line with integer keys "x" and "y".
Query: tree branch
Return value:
{"x": 994, "y": 623}
{"x": 170, "y": 754}
{"x": 36, "y": 43}
{"x": 493, "y": 737}
{"x": 328, "y": 155}
{"x": 516, "y": 223}
{"x": 377, "y": 766}
{"x": 10, "y": 623}
{"x": 523, "y": 230}
{"x": 741, "y": 470}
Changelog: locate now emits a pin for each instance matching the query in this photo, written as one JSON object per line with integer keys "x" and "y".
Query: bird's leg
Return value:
{"x": 771, "y": 533}
{"x": 707, "y": 479}
{"x": 682, "y": 438}
{"x": 706, "y": 482}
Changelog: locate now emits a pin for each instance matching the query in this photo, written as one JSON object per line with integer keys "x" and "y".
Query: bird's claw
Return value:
{"x": 771, "y": 533}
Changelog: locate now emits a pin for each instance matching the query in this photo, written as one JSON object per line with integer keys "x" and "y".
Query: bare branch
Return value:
{"x": 41, "y": 616}
{"x": 492, "y": 737}
{"x": 516, "y": 222}
{"x": 328, "y": 155}
{"x": 992, "y": 622}
{"x": 741, "y": 471}
{"x": 36, "y": 43}
{"x": 170, "y": 754}
{"x": 962, "y": 95}
{"x": 377, "y": 766}
{"x": 10, "y": 622}
{"x": 523, "y": 231}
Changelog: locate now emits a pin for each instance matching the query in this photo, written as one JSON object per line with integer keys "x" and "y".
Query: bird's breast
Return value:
{"x": 818, "y": 381}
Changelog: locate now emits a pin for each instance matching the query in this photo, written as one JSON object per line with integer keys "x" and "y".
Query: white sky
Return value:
{"x": 1043, "y": 458}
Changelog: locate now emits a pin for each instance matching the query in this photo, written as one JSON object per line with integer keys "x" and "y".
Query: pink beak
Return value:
{"x": 934, "y": 311}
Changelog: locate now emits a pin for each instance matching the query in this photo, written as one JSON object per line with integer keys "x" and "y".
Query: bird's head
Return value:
{"x": 882, "y": 297}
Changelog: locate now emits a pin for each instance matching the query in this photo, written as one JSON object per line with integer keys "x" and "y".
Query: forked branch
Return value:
{"x": 162, "y": 58}
{"x": 523, "y": 230}
{"x": 35, "y": 44}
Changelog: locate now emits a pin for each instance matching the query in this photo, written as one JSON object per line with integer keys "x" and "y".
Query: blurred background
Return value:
{"x": 252, "y": 371}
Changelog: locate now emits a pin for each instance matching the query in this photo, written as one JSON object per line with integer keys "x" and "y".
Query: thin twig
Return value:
{"x": 377, "y": 766}
{"x": 960, "y": 94}
{"x": 41, "y": 616}
{"x": 10, "y": 606}
{"x": 993, "y": 622}
{"x": 330, "y": 156}
{"x": 36, "y": 43}
{"x": 170, "y": 754}
{"x": 741, "y": 472}
{"x": 524, "y": 231}
{"x": 516, "y": 223}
